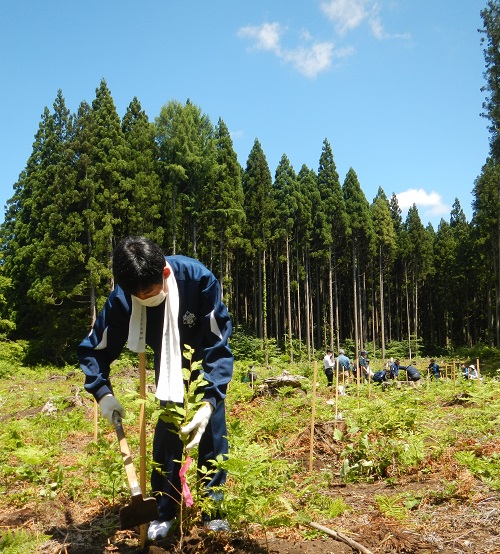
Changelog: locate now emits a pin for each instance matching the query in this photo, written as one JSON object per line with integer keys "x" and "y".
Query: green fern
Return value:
{"x": 20, "y": 541}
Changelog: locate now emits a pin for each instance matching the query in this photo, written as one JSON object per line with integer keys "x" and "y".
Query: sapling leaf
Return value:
{"x": 338, "y": 435}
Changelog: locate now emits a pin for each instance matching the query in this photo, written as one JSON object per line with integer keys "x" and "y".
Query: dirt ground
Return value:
{"x": 459, "y": 525}
{"x": 464, "y": 521}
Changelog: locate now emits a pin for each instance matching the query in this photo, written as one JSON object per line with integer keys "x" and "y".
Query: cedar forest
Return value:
{"x": 304, "y": 259}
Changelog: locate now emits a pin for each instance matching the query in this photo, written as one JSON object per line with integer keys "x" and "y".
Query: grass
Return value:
{"x": 48, "y": 449}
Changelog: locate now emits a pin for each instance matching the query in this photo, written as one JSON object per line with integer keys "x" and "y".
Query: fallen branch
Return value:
{"x": 340, "y": 537}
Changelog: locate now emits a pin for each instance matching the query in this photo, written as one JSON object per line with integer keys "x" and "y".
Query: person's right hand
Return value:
{"x": 108, "y": 404}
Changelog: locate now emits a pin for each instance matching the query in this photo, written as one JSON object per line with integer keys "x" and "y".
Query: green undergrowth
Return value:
{"x": 48, "y": 448}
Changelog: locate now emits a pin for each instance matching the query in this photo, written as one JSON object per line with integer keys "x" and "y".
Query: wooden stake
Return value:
{"x": 313, "y": 414}
{"x": 358, "y": 372}
{"x": 142, "y": 434}
{"x": 96, "y": 415}
{"x": 478, "y": 372}
{"x": 337, "y": 367}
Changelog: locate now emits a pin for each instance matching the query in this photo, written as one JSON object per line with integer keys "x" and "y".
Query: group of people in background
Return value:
{"x": 344, "y": 364}
{"x": 391, "y": 371}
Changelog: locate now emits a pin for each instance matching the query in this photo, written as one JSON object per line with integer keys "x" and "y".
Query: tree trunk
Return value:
{"x": 408, "y": 312}
{"x": 264, "y": 308}
{"x": 307, "y": 310}
{"x": 330, "y": 295}
{"x": 355, "y": 295}
{"x": 299, "y": 307}
{"x": 497, "y": 287}
{"x": 337, "y": 317}
{"x": 382, "y": 314}
{"x": 289, "y": 299}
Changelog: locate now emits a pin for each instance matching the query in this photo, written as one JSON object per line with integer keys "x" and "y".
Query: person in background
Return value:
{"x": 472, "y": 372}
{"x": 328, "y": 364}
{"x": 368, "y": 373}
{"x": 465, "y": 371}
{"x": 363, "y": 364}
{"x": 434, "y": 370}
{"x": 380, "y": 376}
{"x": 394, "y": 369}
{"x": 344, "y": 362}
{"x": 167, "y": 303}
{"x": 412, "y": 373}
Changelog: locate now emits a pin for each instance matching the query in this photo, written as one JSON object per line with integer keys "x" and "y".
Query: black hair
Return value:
{"x": 137, "y": 264}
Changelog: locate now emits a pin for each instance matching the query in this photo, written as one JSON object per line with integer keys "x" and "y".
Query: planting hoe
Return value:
{"x": 140, "y": 510}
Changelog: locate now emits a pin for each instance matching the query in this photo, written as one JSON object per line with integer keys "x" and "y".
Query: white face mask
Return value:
{"x": 153, "y": 301}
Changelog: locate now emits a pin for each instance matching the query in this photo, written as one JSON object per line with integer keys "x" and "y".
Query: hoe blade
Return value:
{"x": 139, "y": 511}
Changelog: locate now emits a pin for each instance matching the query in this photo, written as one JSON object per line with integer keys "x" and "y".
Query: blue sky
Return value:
{"x": 394, "y": 85}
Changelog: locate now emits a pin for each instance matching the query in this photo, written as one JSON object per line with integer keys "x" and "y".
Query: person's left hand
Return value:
{"x": 196, "y": 427}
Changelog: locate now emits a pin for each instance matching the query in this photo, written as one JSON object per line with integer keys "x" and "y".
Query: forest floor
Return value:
{"x": 466, "y": 522}
{"x": 463, "y": 526}
{"x": 459, "y": 519}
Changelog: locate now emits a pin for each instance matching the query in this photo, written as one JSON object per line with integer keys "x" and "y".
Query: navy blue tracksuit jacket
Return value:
{"x": 204, "y": 325}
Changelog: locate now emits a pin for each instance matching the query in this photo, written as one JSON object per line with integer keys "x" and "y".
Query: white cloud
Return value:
{"x": 310, "y": 59}
{"x": 430, "y": 203}
{"x": 346, "y": 15}
{"x": 267, "y": 36}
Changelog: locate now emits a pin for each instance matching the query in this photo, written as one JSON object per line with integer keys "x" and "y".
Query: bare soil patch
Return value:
{"x": 467, "y": 522}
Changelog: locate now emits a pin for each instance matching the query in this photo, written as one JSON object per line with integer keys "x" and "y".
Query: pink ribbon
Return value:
{"x": 186, "y": 493}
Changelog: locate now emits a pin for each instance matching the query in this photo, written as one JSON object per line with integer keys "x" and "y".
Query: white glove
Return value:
{"x": 196, "y": 427}
{"x": 108, "y": 404}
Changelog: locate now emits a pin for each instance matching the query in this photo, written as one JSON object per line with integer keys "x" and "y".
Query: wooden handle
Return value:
{"x": 135, "y": 489}
{"x": 142, "y": 435}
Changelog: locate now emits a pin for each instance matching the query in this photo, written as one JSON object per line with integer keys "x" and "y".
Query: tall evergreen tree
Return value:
{"x": 259, "y": 207}
{"x": 101, "y": 160}
{"x": 188, "y": 165}
{"x": 419, "y": 259}
{"x": 140, "y": 184}
{"x": 361, "y": 226}
{"x": 491, "y": 49}
{"x": 464, "y": 277}
{"x": 486, "y": 223}
{"x": 222, "y": 216}
{"x": 41, "y": 233}
{"x": 310, "y": 197}
{"x": 385, "y": 242}
{"x": 333, "y": 228}
{"x": 286, "y": 200}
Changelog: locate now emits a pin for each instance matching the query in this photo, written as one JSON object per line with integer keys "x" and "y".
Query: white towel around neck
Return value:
{"x": 170, "y": 385}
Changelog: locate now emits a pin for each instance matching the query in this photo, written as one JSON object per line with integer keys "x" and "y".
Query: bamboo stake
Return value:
{"x": 337, "y": 367}
{"x": 142, "y": 432}
{"x": 313, "y": 413}
{"x": 358, "y": 371}
{"x": 96, "y": 413}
